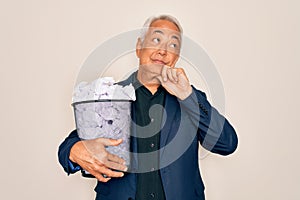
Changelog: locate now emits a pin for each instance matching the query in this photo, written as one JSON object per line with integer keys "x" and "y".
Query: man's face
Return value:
{"x": 161, "y": 46}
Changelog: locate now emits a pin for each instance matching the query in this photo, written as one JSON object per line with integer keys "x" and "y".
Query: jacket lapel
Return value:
{"x": 168, "y": 129}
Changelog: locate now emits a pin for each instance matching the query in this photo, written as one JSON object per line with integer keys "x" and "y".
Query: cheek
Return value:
{"x": 173, "y": 59}
{"x": 145, "y": 55}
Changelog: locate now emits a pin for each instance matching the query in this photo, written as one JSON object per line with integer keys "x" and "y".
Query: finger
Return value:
{"x": 114, "y": 174}
{"x": 115, "y": 158}
{"x": 104, "y": 176}
{"x": 181, "y": 75}
{"x": 101, "y": 178}
{"x": 110, "y": 142}
{"x": 170, "y": 75}
{"x": 111, "y": 161}
{"x": 180, "y": 71}
{"x": 95, "y": 171}
{"x": 116, "y": 166}
{"x": 108, "y": 172}
{"x": 164, "y": 73}
{"x": 174, "y": 74}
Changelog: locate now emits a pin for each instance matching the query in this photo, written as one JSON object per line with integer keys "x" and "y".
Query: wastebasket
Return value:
{"x": 105, "y": 118}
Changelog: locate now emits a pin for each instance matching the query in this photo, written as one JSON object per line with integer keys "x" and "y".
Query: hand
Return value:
{"x": 92, "y": 156}
{"x": 175, "y": 81}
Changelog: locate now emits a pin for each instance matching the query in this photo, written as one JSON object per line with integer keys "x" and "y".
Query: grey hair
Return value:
{"x": 150, "y": 20}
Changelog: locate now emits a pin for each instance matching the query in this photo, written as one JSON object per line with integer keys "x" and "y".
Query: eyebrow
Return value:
{"x": 175, "y": 37}
{"x": 160, "y": 32}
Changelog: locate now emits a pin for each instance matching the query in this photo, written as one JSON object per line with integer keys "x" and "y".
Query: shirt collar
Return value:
{"x": 137, "y": 84}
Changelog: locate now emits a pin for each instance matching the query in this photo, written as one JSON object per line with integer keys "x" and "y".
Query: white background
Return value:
{"x": 254, "y": 44}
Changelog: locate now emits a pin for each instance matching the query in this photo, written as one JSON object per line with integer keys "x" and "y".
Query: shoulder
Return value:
{"x": 131, "y": 79}
{"x": 198, "y": 92}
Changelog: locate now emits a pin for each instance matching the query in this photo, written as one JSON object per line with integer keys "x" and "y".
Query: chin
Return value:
{"x": 153, "y": 68}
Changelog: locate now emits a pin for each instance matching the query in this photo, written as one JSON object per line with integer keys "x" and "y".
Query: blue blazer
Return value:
{"x": 185, "y": 124}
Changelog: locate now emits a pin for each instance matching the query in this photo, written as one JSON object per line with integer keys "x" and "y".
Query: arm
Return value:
{"x": 215, "y": 133}
{"x": 64, "y": 153}
{"x": 90, "y": 155}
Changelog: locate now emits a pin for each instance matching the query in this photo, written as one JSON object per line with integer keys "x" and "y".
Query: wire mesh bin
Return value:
{"x": 105, "y": 119}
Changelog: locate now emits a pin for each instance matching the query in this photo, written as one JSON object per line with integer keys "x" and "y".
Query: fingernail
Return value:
{"x": 125, "y": 169}
{"x": 122, "y": 174}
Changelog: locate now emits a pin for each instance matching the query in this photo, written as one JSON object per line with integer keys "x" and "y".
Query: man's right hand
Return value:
{"x": 92, "y": 156}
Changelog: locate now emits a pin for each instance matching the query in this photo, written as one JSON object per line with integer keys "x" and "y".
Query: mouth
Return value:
{"x": 160, "y": 62}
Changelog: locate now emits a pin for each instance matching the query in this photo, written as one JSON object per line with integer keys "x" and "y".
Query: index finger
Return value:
{"x": 116, "y": 159}
{"x": 164, "y": 73}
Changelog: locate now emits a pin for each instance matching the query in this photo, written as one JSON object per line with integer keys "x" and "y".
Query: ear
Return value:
{"x": 138, "y": 47}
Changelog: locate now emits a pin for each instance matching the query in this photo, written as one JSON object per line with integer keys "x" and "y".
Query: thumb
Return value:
{"x": 110, "y": 142}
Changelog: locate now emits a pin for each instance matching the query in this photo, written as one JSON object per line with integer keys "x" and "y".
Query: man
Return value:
{"x": 165, "y": 153}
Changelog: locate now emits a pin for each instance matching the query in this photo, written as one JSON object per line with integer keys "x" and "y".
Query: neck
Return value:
{"x": 149, "y": 81}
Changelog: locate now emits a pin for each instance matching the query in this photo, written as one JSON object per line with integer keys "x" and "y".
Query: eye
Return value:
{"x": 173, "y": 45}
{"x": 156, "y": 40}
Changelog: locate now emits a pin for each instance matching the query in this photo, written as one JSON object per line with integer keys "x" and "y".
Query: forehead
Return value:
{"x": 165, "y": 26}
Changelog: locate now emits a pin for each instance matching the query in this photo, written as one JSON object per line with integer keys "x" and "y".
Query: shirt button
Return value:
{"x": 152, "y": 120}
{"x": 152, "y": 169}
{"x": 152, "y": 145}
{"x": 152, "y": 195}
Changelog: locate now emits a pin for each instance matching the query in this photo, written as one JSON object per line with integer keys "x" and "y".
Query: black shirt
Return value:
{"x": 149, "y": 112}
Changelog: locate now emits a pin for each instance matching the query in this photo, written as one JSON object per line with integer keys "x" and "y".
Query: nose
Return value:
{"x": 162, "y": 50}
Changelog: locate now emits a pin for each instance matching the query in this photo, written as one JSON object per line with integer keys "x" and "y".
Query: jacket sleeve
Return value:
{"x": 215, "y": 133}
{"x": 64, "y": 152}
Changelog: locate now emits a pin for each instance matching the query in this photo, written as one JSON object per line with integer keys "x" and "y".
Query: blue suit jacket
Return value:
{"x": 185, "y": 124}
